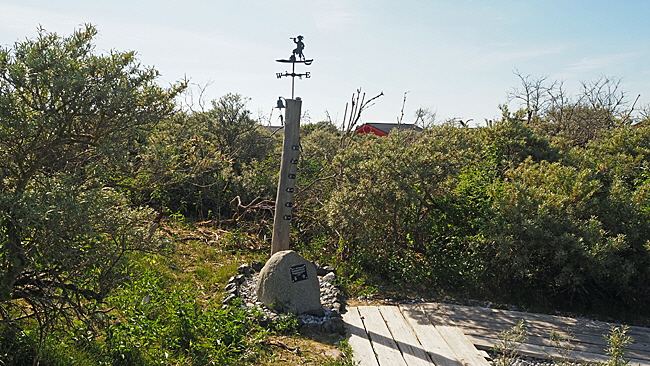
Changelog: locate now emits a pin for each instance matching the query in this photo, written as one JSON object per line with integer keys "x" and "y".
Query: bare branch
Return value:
{"x": 358, "y": 105}
{"x": 401, "y": 117}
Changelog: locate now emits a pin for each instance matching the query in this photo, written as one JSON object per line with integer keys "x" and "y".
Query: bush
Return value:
{"x": 163, "y": 322}
{"x": 494, "y": 212}
{"x": 196, "y": 163}
{"x": 390, "y": 199}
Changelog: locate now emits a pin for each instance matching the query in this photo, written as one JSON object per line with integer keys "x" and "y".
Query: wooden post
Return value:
{"x": 287, "y": 178}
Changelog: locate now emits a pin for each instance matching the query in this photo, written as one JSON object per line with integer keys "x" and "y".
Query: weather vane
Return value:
{"x": 297, "y": 57}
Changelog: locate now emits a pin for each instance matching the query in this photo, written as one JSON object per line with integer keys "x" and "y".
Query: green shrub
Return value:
{"x": 393, "y": 206}
{"x": 195, "y": 163}
{"x": 617, "y": 342}
{"x": 157, "y": 322}
{"x": 494, "y": 212}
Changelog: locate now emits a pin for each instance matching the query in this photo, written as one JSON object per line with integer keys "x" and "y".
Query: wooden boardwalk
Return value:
{"x": 455, "y": 335}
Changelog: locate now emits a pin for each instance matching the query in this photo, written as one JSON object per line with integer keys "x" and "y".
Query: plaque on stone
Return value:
{"x": 299, "y": 273}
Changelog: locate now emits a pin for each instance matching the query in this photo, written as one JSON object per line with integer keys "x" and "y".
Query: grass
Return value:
{"x": 206, "y": 258}
{"x": 508, "y": 345}
{"x": 617, "y": 342}
{"x": 564, "y": 346}
{"x": 171, "y": 313}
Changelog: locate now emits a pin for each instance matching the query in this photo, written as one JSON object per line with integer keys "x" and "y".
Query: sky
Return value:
{"x": 458, "y": 58}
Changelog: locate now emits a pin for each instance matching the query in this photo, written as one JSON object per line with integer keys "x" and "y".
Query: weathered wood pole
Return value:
{"x": 287, "y": 178}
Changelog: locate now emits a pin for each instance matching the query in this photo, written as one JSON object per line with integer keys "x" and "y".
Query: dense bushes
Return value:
{"x": 390, "y": 198}
{"x": 89, "y": 144}
{"x": 159, "y": 319}
{"x": 497, "y": 212}
{"x": 156, "y": 318}
{"x": 195, "y": 163}
{"x": 551, "y": 239}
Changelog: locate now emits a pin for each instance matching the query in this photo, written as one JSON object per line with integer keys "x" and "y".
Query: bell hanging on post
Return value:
{"x": 280, "y": 103}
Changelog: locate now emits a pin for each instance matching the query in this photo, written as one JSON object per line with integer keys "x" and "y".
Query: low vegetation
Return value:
{"x": 506, "y": 350}
{"x": 122, "y": 214}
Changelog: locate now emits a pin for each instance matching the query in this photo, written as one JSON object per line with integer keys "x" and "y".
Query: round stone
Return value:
{"x": 288, "y": 283}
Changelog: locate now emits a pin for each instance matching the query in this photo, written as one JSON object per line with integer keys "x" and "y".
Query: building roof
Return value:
{"x": 383, "y": 129}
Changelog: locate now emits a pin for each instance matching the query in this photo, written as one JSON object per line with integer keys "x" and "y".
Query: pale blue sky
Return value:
{"x": 454, "y": 57}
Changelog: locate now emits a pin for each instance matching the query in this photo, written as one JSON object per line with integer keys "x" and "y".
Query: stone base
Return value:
{"x": 288, "y": 283}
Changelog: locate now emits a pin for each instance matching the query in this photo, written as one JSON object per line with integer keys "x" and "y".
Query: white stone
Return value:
{"x": 329, "y": 277}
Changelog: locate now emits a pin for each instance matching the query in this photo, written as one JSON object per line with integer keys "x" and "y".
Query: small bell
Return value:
{"x": 280, "y": 103}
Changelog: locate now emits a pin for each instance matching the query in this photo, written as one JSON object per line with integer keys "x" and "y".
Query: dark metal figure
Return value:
{"x": 298, "y": 50}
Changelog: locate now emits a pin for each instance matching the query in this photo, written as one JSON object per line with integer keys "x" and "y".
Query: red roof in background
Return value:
{"x": 383, "y": 129}
{"x": 367, "y": 129}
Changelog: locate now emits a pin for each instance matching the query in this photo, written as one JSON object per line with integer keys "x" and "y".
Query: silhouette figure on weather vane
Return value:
{"x": 297, "y": 56}
{"x": 297, "y": 52}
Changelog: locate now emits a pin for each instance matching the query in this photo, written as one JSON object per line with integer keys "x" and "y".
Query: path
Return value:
{"x": 455, "y": 335}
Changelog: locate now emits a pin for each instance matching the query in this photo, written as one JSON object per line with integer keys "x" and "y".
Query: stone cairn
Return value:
{"x": 333, "y": 301}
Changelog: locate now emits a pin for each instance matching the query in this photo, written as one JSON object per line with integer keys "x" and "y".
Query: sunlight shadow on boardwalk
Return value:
{"x": 383, "y": 336}
{"x": 453, "y": 335}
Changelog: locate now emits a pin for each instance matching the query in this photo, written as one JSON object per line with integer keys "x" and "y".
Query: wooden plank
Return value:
{"x": 474, "y": 310}
{"x": 578, "y": 343}
{"x": 544, "y": 343}
{"x": 533, "y": 332}
{"x": 440, "y": 311}
{"x": 639, "y": 334}
{"x": 380, "y": 336}
{"x": 451, "y": 335}
{"x": 485, "y": 315}
{"x": 538, "y": 351}
{"x": 429, "y": 337}
{"x": 485, "y": 355}
{"x": 362, "y": 352}
{"x": 501, "y": 322}
{"x": 597, "y": 329}
{"x": 464, "y": 349}
{"x": 405, "y": 337}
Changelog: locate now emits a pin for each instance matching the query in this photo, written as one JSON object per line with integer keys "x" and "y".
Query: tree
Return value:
{"x": 66, "y": 116}
{"x": 425, "y": 117}
{"x": 534, "y": 95}
{"x": 236, "y": 133}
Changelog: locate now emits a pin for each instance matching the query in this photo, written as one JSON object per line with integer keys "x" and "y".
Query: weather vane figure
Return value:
{"x": 297, "y": 57}
{"x": 297, "y": 52}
